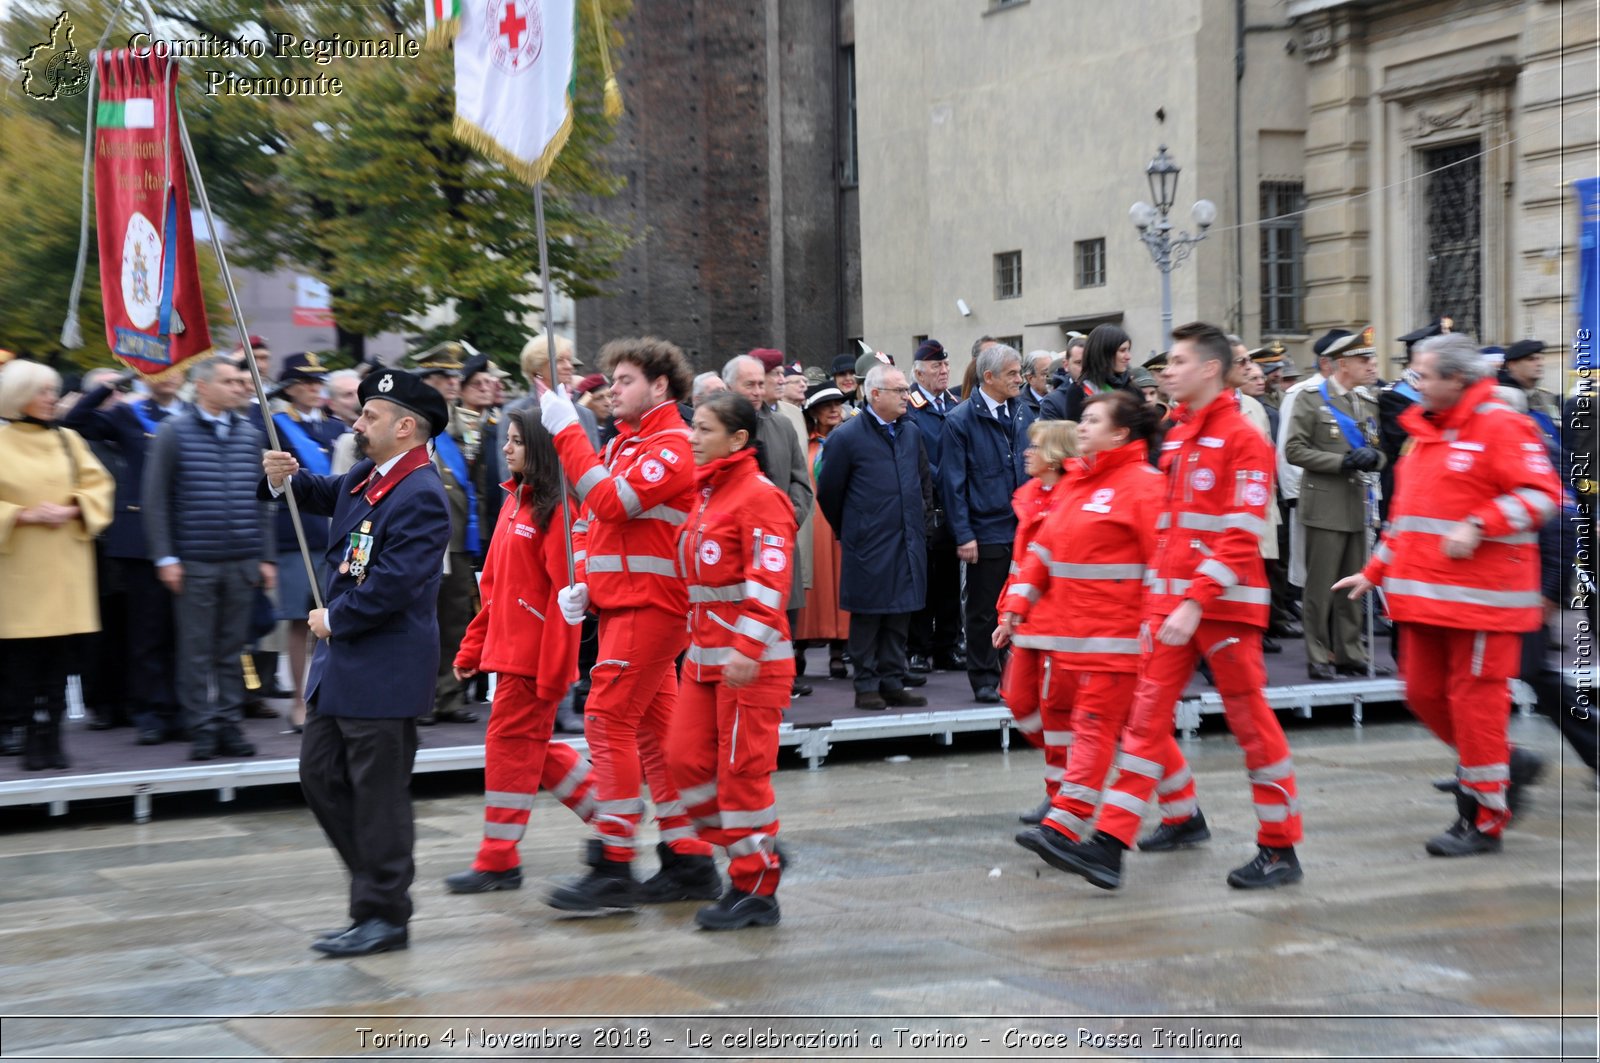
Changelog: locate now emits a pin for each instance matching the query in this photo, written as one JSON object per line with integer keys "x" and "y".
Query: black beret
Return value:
{"x": 409, "y": 391}
{"x": 930, "y": 351}
{"x": 1524, "y": 349}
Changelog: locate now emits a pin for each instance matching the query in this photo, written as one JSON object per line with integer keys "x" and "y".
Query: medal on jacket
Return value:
{"x": 358, "y": 555}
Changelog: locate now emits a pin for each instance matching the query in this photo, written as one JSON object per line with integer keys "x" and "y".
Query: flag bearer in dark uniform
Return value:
{"x": 377, "y": 655}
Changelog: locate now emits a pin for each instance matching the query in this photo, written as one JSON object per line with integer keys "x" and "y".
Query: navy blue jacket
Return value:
{"x": 383, "y": 658}
{"x": 980, "y": 468}
{"x": 874, "y": 492}
{"x": 199, "y": 499}
{"x": 930, "y": 422}
{"x": 121, "y": 428}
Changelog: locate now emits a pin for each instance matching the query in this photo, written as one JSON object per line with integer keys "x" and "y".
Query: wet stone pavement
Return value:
{"x": 908, "y": 916}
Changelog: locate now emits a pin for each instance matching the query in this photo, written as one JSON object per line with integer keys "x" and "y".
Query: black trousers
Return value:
{"x": 35, "y": 672}
{"x": 936, "y": 629}
{"x": 878, "y": 647}
{"x": 356, "y": 775}
{"x": 985, "y": 578}
{"x": 149, "y": 647}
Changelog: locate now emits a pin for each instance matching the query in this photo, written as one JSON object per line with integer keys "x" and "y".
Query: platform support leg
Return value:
{"x": 141, "y": 808}
{"x": 58, "y": 808}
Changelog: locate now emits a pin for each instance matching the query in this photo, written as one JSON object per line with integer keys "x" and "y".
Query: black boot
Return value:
{"x": 682, "y": 878}
{"x": 569, "y": 720}
{"x": 35, "y": 743}
{"x": 1099, "y": 859}
{"x": 55, "y": 757}
{"x": 737, "y": 909}
{"x": 1272, "y": 867}
{"x": 1526, "y": 767}
{"x": 267, "y": 673}
{"x": 1170, "y": 836}
{"x": 609, "y": 886}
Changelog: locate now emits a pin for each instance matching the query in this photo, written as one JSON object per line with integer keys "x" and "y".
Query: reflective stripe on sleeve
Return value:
{"x": 589, "y": 480}
{"x": 755, "y": 629}
{"x": 628, "y": 497}
{"x": 1440, "y": 526}
{"x": 1217, "y": 571}
{"x": 503, "y": 799}
{"x": 715, "y": 656}
{"x": 736, "y": 592}
{"x": 1538, "y": 503}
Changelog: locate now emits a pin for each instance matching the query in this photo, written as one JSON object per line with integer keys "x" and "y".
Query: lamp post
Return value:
{"x": 1167, "y": 249}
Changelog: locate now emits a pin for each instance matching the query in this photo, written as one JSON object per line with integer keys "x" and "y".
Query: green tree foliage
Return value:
{"x": 368, "y": 190}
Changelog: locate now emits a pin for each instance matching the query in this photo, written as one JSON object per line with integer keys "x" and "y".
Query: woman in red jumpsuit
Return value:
{"x": 735, "y": 553}
{"x": 519, "y": 635}
{"x": 1051, "y": 445}
{"x": 1083, "y": 584}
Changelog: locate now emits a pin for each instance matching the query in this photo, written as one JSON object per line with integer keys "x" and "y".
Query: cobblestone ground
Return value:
{"x": 907, "y": 906}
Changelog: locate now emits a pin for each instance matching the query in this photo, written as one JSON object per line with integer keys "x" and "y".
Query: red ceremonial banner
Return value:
{"x": 155, "y": 309}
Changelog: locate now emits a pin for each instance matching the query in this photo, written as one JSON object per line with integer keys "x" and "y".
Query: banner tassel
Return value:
{"x": 613, "y": 92}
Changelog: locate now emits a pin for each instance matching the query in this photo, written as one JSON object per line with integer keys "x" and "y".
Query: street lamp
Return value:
{"x": 1167, "y": 249}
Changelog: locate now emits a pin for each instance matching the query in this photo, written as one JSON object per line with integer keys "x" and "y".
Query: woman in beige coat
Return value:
{"x": 55, "y": 497}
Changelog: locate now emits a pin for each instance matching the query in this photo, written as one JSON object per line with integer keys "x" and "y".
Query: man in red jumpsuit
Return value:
{"x": 1208, "y": 598}
{"x": 1459, "y": 565}
{"x": 635, "y": 504}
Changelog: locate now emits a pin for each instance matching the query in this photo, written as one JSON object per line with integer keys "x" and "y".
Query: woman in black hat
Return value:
{"x": 821, "y": 620}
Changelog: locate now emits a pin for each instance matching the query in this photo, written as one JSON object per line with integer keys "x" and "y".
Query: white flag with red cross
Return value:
{"x": 514, "y": 77}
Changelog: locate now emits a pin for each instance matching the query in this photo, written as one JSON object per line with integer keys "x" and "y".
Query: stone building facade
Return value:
{"x": 734, "y": 144}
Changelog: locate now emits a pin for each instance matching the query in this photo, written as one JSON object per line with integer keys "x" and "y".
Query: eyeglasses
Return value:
{"x": 895, "y": 391}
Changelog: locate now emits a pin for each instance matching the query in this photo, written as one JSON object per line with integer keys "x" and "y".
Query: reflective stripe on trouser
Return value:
{"x": 626, "y": 720}
{"x": 1028, "y": 682}
{"x": 722, "y": 752}
{"x": 1469, "y": 712}
{"x": 1234, "y": 652}
{"x": 519, "y": 760}
{"x": 1094, "y": 706}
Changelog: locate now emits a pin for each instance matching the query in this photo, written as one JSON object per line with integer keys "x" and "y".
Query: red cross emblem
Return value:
{"x": 513, "y": 33}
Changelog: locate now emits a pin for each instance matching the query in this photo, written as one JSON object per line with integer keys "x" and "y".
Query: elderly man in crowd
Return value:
{"x": 874, "y": 489}
{"x": 1036, "y": 379}
{"x": 980, "y": 468}
{"x": 1459, "y": 567}
{"x": 212, "y": 543}
{"x": 705, "y": 386}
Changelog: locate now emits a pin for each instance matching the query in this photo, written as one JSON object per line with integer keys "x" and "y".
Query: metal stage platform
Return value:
{"x": 106, "y": 764}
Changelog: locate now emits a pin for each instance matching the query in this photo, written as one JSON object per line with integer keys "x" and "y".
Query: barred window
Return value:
{"x": 849, "y": 157}
{"x": 1014, "y": 342}
{"x": 1282, "y": 256}
{"x": 1091, "y": 256}
{"x": 1008, "y": 275}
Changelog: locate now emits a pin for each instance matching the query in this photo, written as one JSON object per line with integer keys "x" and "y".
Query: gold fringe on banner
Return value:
{"x": 531, "y": 172}
{"x": 613, "y": 93}
{"x": 441, "y": 34}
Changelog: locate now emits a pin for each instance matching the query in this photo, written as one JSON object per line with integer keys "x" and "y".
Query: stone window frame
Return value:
{"x": 1095, "y": 275}
{"x": 1008, "y": 274}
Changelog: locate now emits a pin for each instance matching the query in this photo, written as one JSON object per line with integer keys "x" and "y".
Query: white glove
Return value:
{"x": 557, "y": 411}
{"x": 574, "y": 600}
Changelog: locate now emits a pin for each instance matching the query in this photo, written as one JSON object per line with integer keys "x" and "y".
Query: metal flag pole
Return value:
{"x": 550, "y": 356}
{"x": 238, "y": 323}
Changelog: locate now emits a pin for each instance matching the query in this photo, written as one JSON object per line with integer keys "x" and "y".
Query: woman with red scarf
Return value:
{"x": 519, "y": 635}
{"x": 1082, "y": 586}
{"x": 1051, "y": 444}
{"x": 735, "y": 552}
